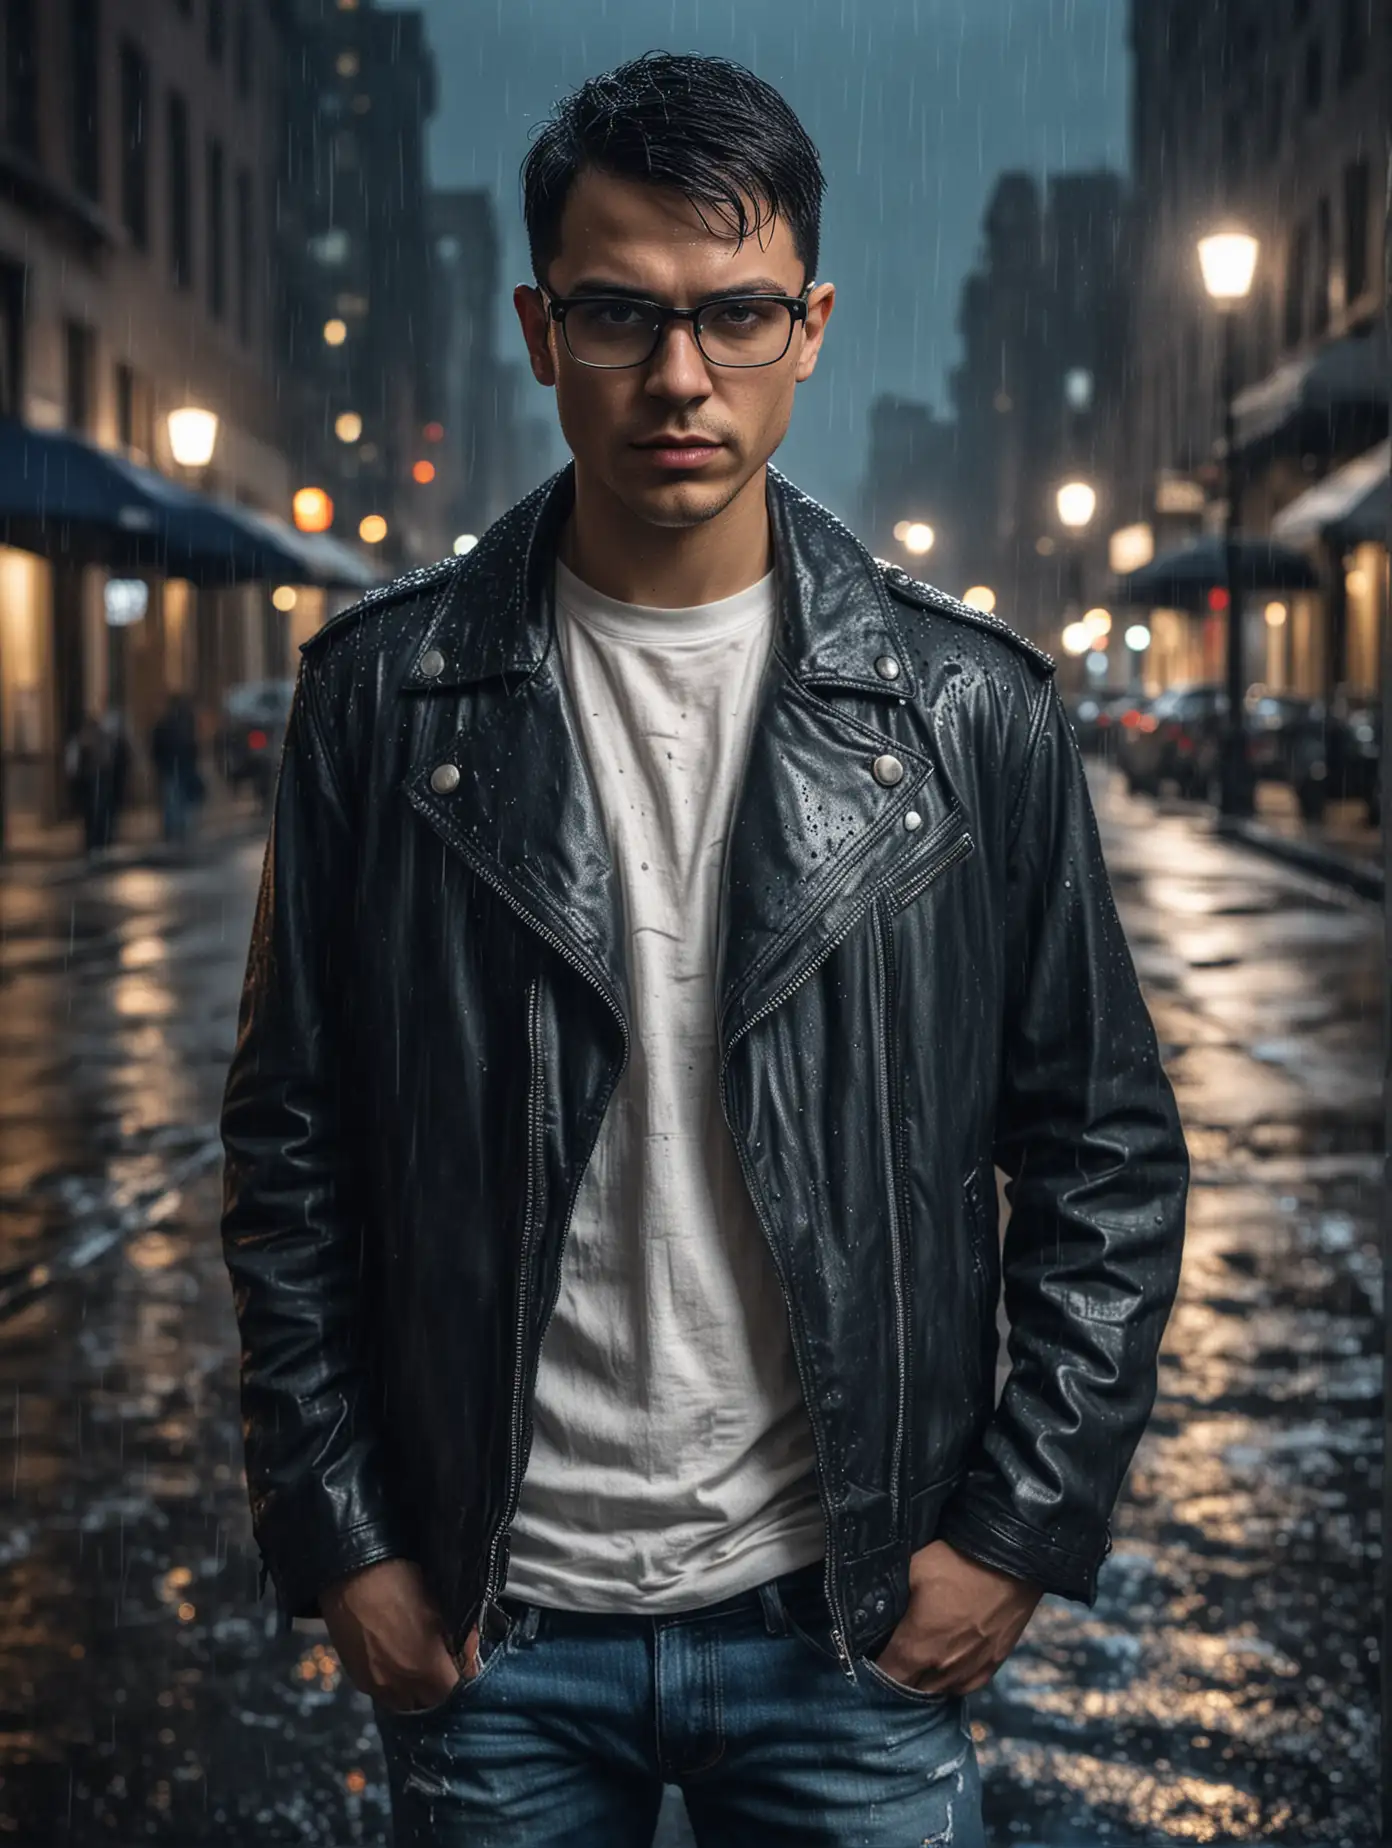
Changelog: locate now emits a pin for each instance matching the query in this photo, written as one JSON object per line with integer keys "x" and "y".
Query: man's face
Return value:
{"x": 620, "y": 235}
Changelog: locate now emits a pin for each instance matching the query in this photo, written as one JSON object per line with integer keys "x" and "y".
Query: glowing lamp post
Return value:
{"x": 1076, "y": 502}
{"x": 192, "y": 436}
{"x": 915, "y": 536}
{"x": 1228, "y": 262}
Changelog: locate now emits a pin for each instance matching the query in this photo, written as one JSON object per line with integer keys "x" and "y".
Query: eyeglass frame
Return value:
{"x": 558, "y": 306}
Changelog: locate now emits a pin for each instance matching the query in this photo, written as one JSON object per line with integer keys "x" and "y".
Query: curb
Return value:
{"x": 1364, "y": 877}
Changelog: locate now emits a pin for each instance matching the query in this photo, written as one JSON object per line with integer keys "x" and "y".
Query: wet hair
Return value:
{"x": 706, "y": 127}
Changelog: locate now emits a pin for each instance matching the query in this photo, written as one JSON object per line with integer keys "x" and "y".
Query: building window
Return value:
{"x": 1354, "y": 33}
{"x": 135, "y": 422}
{"x": 78, "y": 344}
{"x": 1357, "y": 196}
{"x": 1275, "y": 117}
{"x": 12, "y": 291}
{"x": 1297, "y": 281}
{"x": 246, "y": 254}
{"x": 1324, "y": 263}
{"x": 1232, "y": 151}
{"x": 21, "y": 127}
{"x": 84, "y": 28}
{"x": 135, "y": 157}
{"x": 217, "y": 232}
{"x": 242, "y": 58}
{"x": 1314, "y": 76}
{"x": 180, "y": 201}
{"x": 217, "y": 31}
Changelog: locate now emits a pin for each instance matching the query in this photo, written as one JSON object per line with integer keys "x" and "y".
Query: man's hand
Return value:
{"x": 963, "y": 1620}
{"x": 390, "y": 1637}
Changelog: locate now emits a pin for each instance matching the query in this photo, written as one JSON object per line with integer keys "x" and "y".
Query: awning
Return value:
{"x": 1350, "y": 506}
{"x": 66, "y": 499}
{"x": 1307, "y": 401}
{"x": 321, "y": 559}
{"x": 1182, "y": 579}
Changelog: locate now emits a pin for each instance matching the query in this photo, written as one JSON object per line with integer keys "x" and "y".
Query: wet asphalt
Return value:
{"x": 1223, "y": 1688}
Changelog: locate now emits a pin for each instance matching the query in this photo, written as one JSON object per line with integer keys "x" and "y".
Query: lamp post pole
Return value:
{"x": 1235, "y": 776}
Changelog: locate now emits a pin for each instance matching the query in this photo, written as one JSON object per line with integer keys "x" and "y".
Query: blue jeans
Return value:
{"x": 573, "y": 1724}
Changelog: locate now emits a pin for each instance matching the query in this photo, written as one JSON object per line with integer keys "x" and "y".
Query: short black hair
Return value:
{"x": 706, "y": 127}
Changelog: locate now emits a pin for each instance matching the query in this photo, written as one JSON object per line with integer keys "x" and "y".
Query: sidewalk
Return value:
{"x": 223, "y": 817}
{"x": 1342, "y": 847}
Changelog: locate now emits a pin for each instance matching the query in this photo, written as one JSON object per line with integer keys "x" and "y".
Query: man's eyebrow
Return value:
{"x": 602, "y": 285}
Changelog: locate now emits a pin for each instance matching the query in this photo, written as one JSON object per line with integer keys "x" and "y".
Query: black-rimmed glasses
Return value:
{"x": 612, "y": 331}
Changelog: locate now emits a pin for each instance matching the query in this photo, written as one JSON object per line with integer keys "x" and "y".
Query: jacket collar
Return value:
{"x": 814, "y": 839}
{"x": 494, "y": 615}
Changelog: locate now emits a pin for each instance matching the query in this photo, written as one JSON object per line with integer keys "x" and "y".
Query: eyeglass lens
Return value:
{"x": 749, "y": 331}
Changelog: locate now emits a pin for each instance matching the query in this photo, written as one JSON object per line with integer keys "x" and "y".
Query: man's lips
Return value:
{"x": 680, "y": 451}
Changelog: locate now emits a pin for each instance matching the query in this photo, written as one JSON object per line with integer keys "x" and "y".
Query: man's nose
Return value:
{"x": 678, "y": 369}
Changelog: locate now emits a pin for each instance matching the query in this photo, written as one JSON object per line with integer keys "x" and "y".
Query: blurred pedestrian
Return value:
{"x": 90, "y": 762}
{"x": 174, "y": 752}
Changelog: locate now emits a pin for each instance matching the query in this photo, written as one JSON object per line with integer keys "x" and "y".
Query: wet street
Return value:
{"x": 1223, "y": 1689}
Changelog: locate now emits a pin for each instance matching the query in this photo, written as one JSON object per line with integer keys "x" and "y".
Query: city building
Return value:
{"x": 354, "y": 308}
{"x": 911, "y": 481}
{"x": 462, "y": 359}
{"x": 139, "y": 146}
{"x": 1269, "y": 116}
{"x": 1043, "y": 326}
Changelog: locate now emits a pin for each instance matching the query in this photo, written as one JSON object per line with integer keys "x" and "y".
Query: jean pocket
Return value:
{"x": 489, "y": 1657}
{"x": 917, "y": 1697}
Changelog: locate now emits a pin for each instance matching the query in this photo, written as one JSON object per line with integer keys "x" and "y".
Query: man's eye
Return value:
{"x": 610, "y": 314}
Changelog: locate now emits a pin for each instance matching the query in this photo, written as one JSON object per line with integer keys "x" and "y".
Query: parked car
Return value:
{"x": 1097, "y": 717}
{"x": 1343, "y": 761}
{"x": 251, "y": 732}
{"x": 1174, "y": 737}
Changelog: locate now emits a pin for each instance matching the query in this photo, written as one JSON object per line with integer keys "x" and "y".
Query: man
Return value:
{"x": 671, "y": 918}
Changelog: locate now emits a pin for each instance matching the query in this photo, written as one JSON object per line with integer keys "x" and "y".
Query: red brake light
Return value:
{"x": 1147, "y": 721}
{"x": 1131, "y": 719}
{"x": 257, "y": 740}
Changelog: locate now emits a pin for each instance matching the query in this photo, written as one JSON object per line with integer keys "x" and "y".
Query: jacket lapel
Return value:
{"x": 816, "y": 836}
{"x": 507, "y": 783}
{"x": 815, "y": 839}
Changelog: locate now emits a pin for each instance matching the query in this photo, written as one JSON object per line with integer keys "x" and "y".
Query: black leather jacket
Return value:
{"x": 920, "y": 976}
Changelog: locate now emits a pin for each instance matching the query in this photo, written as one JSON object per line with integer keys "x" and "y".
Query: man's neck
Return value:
{"x": 668, "y": 567}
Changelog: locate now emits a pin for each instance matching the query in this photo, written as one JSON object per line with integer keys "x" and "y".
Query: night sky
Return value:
{"x": 915, "y": 106}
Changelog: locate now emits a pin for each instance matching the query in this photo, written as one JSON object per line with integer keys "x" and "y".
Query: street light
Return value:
{"x": 1228, "y": 261}
{"x": 192, "y": 436}
{"x": 915, "y": 536}
{"x": 1077, "y": 502}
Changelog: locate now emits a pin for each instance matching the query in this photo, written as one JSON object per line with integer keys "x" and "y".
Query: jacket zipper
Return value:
{"x": 901, "y": 1336}
{"x": 961, "y": 847}
{"x": 514, "y": 1482}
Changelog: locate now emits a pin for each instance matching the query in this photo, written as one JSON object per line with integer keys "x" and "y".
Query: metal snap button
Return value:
{"x": 887, "y": 667}
{"x": 887, "y": 770}
{"x": 913, "y": 821}
{"x": 432, "y": 663}
{"x": 444, "y": 779}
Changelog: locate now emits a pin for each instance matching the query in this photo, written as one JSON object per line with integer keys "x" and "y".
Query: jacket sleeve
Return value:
{"x": 1089, "y": 1135}
{"x": 291, "y": 1235}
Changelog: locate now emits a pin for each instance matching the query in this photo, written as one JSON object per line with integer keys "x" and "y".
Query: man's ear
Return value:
{"x": 536, "y": 331}
{"x": 819, "y": 306}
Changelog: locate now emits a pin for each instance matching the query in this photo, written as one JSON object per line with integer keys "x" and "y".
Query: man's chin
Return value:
{"x": 681, "y": 503}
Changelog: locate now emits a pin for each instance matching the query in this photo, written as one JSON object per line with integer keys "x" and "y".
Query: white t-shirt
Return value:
{"x": 672, "y": 1463}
